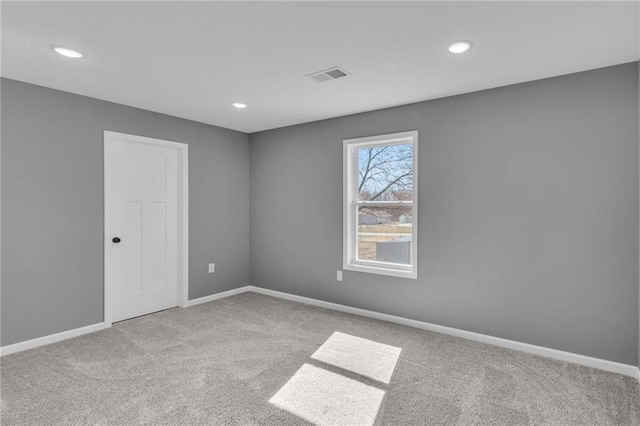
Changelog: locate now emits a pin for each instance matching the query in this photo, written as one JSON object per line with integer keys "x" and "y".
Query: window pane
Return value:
{"x": 385, "y": 173}
{"x": 385, "y": 233}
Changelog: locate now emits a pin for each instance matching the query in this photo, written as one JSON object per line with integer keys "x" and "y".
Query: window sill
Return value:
{"x": 381, "y": 271}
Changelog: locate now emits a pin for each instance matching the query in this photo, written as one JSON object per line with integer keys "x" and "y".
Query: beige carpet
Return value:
{"x": 255, "y": 360}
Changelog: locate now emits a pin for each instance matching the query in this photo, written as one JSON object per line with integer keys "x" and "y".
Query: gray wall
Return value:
{"x": 528, "y": 213}
{"x": 52, "y": 205}
{"x": 528, "y": 210}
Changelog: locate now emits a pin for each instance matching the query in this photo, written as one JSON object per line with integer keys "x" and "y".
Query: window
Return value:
{"x": 381, "y": 204}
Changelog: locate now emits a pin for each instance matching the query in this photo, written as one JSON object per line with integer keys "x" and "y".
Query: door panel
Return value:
{"x": 128, "y": 253}
{"x": 141, "y": 208}
{"x": 156, "y": 217}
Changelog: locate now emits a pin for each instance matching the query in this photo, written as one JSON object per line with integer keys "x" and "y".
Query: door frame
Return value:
{"x": 110, "y": 137}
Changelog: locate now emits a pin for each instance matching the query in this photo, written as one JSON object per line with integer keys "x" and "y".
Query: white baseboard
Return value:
{"x": 211, "y": 298}
{"x": 52, "y": 338}
{"x": 615, "y": 367}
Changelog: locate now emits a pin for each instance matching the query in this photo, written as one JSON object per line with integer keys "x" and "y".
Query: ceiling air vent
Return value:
{"x": 328, "y": 74}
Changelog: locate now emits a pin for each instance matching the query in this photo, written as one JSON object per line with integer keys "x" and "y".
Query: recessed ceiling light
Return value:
{"x": 459, "y": 46}
{"x": 239, "y": 105}
{"x": 67, "y": 52}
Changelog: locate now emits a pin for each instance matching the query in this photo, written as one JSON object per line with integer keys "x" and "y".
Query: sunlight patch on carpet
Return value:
{"x": 326, "y": 398}
{"x": 362, "y": 356}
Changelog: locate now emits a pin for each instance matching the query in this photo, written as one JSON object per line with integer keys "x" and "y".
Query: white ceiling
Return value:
{"x": 192, "y": 60}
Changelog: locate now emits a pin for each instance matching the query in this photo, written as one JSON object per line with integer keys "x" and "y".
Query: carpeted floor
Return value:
{"x": 252, "y": 359}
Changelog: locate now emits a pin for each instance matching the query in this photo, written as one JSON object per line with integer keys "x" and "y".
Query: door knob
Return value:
{"x": 116, "y": 240}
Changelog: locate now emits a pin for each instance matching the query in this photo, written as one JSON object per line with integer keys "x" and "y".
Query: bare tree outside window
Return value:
{"x": 385, "y": 175}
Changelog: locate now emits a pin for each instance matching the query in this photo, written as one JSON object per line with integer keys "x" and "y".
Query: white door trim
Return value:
{"x": 183, "y": 211}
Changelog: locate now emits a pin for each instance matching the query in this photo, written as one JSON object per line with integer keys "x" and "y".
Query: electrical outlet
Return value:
{"x": 212, "y": 268}
{"x": 339, "y": 276}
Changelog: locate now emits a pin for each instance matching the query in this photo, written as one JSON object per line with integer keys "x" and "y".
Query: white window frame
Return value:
{"x": 351, "y": 203}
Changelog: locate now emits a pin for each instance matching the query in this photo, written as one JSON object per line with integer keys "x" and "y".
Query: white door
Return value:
{"x": 141, "y": 226}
